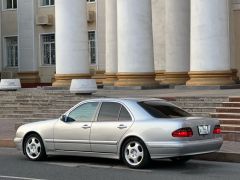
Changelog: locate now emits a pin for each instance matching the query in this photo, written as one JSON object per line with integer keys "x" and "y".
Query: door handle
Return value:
{"x": 122, "y": 126}
{"x": 86, "y": 126}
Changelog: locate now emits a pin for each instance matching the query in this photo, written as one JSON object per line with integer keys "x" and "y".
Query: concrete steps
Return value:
{"x": 229, "y": 117}
{"x": 198, "y": 106}
{"x": 30, "y": 106}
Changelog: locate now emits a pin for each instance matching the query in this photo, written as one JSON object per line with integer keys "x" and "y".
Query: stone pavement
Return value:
{"x": 229, "y": 152}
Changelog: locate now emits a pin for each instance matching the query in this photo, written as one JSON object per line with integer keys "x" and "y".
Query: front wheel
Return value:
{"x": 34, "y": 148}
{"x": 135, "y": 154}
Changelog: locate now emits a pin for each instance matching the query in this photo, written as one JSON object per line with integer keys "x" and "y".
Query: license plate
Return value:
{"x": 204, "y": 129}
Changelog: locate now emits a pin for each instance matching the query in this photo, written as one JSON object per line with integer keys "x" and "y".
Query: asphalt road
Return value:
{"x": 15, "y": 166}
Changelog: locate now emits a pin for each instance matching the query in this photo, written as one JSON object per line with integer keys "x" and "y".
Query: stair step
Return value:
{"x": 203, "y": 99}
{"x": 28, "y": 120}
{"x": 231, "y": 104}
{"x": 226, "y": 115}
{"x": 45, "y": 115}
{"x": 230, "y": 127}
{"x": 10, "y": 119}
{"x": 200, "y": 114}
{"x": 231, "y": 136}
{"x": 228, "y": 109}
{"x": 197, "y": 104}
{"x": 234, "y": 99}
{"x": 230, "y": 121}
{"x": 200, "y": 109}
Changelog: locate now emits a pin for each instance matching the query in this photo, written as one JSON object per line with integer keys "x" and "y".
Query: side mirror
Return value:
{"x": 63, "y": 118}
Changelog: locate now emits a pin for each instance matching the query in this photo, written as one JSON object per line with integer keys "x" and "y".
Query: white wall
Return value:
{"x": 26, "y": 31}
{"x": 1, "y": 50}
{"x": 101, "y": 38}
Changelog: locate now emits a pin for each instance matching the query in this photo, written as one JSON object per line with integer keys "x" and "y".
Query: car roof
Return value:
{"x": 125, "y": 99}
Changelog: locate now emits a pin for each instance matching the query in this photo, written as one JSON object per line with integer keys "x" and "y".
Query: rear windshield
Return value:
{"x": 161, "y": 110}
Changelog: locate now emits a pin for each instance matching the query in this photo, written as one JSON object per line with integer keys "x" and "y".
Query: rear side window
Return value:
{"x": 109, "y": 111}
{"x": 124, "y": 115}
{"x": 160, "y": 110}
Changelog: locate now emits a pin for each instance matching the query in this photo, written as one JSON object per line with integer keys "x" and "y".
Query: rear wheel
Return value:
{"x": 180, "y": 160}
{"x": 135, "y": 154}
{"x": 34, "y": 148}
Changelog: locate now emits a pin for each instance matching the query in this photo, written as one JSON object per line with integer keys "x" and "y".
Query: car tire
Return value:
{"x": 135, "y": 154}
{"x": 34, "y": 148}
{"x": 180, "y": 160}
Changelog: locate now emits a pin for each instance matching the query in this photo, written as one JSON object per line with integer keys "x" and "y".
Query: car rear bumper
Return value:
{"x": 159, "y": 150}
{"x": 18, "y": 142}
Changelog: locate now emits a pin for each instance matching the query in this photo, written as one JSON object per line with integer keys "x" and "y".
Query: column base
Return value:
{"x": 136, "y": 79}
{"x": 99, "y": 76}
{"x": 110, "y": 79}
{"x": 175, "y": 78}
{"x": 159, "y": 76}
{"x": 208, "y": 78}
{"x": 29, "y": 79}
{"x": 64, "y": 80}
{"x": 235, "y": 75}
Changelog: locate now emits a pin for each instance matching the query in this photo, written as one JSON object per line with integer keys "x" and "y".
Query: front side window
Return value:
{"x": 109, "y": 112}
{"x": 83, "y": 113}
{"x": 12, "y": 51}
{"x": 92, "y": 46}
{"x": 162, "y": 110}
{"x": 48, "y": 49}
{"x": 48, "y": 2}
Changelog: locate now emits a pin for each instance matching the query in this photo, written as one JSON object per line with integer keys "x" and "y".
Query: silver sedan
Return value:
{"x": 133, "y": 130}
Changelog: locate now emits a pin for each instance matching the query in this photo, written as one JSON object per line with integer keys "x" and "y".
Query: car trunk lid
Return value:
{"x": 202, "y": 127}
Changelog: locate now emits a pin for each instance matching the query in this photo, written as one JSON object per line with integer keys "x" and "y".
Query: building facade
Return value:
{"x": 120, "y": 42}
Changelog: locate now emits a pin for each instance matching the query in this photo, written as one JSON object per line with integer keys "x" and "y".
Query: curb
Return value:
{"x": 7, "y": 143}
{"x": 220, "y": 157}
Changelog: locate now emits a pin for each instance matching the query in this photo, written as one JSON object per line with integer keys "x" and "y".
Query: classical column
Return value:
{"x": 135, "y": 43}
{"x": 177, "y": 41}
{"x": 210, "y": 45}
{"x": 111, "y": 42}
{"x": 233, "y": 58}
{"x": 27, "y": 50}
{"x": 1, "y": 62}
{"x": 100, "y": 41}
{"x": 72, "y": 59}
{"x": 158, "y": 21}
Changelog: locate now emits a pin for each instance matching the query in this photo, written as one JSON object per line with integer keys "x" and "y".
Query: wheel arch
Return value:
{"x": 29, "y": 134}
{"x": 124, "y": 140}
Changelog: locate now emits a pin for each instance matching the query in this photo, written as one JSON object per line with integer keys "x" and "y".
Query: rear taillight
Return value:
{"x": 217, "y": 129}
{"x": 183, "y": 132}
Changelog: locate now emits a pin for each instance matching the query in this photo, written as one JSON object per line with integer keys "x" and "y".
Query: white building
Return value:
{"x": 120, "y": 42}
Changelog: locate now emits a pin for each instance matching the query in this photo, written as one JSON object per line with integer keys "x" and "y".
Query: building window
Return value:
{"x": 10, "y": 4}
{"x": 12, "y": 51}
{"x": 48, "y": 2}
{"x": 48, "y": 49}
{"x": 92, "y": 46}
{"x": 90, "y": 0}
